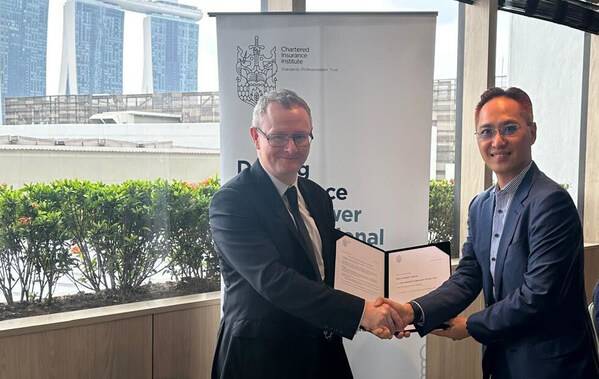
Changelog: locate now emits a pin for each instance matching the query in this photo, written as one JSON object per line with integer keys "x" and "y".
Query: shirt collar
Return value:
{"x": 279, "y": 185}
{"x": 513, "y": 184}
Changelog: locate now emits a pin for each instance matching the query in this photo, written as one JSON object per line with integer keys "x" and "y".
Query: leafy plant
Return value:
{"x": 128, "y": 233}
{"x": 43, "y": 237}
{"x": 14, "y": 267}
{"x": 192, "y": 257}
{"x": 440, "y": 219}
{"x": 81, "y": 207}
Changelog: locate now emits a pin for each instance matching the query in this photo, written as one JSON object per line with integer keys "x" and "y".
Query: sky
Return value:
{"x": 445, "y": 44}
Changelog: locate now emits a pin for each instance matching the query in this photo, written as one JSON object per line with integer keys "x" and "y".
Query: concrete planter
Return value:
{"x": 166, "y": 338}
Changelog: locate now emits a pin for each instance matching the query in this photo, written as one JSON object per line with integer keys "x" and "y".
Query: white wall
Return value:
{"x": 19, "y": 166}
{"x": 198, "y": 135}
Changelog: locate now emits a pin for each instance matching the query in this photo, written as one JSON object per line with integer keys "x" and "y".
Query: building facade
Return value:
{"x": 92, "y": 48}
{"x": 173, "y": 42}
{"x": 443, "y": 122}
{"x": 92, "y": 60}
{"x": 23, "y": 39}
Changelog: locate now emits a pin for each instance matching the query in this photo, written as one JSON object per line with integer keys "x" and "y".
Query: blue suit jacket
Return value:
{"x": 535, "y": 323}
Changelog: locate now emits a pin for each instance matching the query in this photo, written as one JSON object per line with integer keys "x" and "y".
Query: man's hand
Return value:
{"x": 456, "y": 331}
{"x": 381, "y": 319}
{"x": 405, "y": 311}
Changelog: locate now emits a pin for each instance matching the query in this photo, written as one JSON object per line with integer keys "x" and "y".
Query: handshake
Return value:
{"x": 386, "y": 318}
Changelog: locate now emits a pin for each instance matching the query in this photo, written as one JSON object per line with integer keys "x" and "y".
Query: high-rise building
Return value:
{"x": 444, "y": 124}
{"x": 92, "y": 58}
{"x": 173, "y": 42}
{"x": 92, "y": 48}
{"x": 444, "y": 120}
{"x": 23, "y": 38}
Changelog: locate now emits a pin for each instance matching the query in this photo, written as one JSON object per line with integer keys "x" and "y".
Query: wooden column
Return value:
{"x": 591, "y": 180}
{"x": 480, "y": 30}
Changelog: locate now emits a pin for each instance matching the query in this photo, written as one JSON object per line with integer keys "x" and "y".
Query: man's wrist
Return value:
{"x": 360, "y": 327}
{"x": 417, "y": 315}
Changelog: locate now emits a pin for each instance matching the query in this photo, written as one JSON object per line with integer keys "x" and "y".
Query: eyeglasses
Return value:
{"x": 488, "y": 133}
{"x": 280, "y": 140}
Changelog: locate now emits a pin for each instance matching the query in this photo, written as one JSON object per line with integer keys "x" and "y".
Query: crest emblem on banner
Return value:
{"x": 256, "y": 72}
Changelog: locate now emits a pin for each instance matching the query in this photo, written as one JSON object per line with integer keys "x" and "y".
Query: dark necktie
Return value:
{"x": 291, "y": 195}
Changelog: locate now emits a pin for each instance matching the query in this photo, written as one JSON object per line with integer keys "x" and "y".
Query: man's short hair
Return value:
{"x": 513, "y": 93}
{"x": 284, "y": 97}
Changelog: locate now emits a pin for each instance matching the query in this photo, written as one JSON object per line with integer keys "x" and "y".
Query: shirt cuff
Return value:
{"x": 417, "y": 310}
{"x": 359, "y": 328}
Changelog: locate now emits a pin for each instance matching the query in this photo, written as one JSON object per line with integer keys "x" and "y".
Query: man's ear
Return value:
{"x": 254, "y": 135}
{"x": 533, "y": 132}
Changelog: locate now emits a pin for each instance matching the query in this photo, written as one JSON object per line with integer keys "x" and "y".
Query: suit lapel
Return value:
{"x": 274, "y": 202}
{"x": 271, "y": 198}
{"x": 510, "y": 224}
{"x": 484, "y": 245}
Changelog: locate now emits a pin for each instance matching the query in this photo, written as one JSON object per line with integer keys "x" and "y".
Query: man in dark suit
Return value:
{"x": 524, "y": 249}
{"x": 274, "y": 232}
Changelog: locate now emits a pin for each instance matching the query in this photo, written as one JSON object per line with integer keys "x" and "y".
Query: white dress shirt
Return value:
{"x": 308, "y": 220}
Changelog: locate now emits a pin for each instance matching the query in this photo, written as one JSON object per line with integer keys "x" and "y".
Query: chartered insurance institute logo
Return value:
{"x": 256, "y": 72}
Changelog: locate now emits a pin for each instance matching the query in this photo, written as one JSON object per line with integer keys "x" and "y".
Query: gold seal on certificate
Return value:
{"x": 401, "y": 275}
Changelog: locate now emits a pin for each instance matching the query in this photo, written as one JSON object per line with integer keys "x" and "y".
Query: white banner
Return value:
{"x": 368, "y": 79}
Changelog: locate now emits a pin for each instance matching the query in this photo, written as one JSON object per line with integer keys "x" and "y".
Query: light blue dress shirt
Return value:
{"x": 502, "y": 199}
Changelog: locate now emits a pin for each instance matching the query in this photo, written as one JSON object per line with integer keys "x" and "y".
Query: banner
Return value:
{"x": 368, "y": 79}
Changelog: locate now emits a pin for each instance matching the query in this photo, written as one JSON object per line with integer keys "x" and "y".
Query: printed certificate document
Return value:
{"x": 401, "y": 275}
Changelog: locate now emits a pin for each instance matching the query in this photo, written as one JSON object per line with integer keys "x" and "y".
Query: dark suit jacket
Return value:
{"x": 276, "y": 308}
{"x": 536, "y": 324}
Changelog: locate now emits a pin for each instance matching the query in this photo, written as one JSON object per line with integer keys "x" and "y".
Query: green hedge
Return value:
{"x": 103, "y": 236}
{"x": 117, "y": 236}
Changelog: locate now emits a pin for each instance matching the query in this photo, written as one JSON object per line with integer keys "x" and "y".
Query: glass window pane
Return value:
{"x": 545, "y": 60}
{"x": 116, "y": 131}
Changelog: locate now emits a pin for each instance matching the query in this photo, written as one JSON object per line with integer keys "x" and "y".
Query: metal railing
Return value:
{"x": 193, "y": 107}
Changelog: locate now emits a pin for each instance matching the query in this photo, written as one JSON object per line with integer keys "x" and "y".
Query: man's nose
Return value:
{"x": 290, "y": 146}
{"x": 498, "y": 139}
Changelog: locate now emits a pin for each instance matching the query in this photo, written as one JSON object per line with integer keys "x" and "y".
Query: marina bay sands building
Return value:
{"x": 92, "y": 59}
{"x": 92, "y": 48}
{"x": 173, "y": 42}
{"x": 23, "y": 40}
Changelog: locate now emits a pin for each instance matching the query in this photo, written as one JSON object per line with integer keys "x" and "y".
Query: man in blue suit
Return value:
{"x": 524, "y": 249}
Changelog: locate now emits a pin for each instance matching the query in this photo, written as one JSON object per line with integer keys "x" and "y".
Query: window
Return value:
{"x": 545, "y": 60}
{"x": 51, "y": 134}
